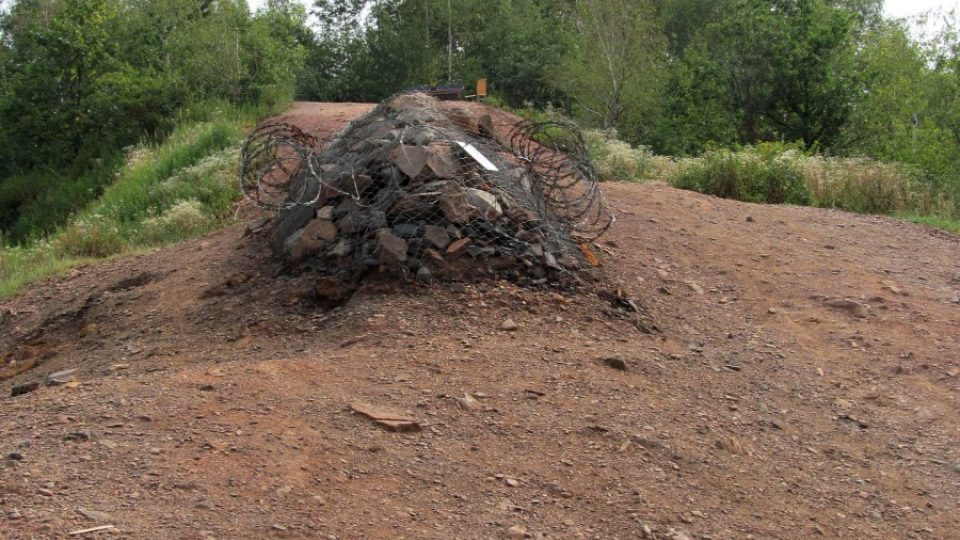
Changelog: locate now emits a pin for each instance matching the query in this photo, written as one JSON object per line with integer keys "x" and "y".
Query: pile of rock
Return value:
{"x": 424, "y": 193}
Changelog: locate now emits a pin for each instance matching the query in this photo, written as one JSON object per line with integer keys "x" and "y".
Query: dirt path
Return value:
{"x": 801, "y": 382}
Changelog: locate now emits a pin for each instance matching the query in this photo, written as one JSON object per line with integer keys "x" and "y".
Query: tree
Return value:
{"x": 778, "y": 69}
{"x": 614, "y": 71}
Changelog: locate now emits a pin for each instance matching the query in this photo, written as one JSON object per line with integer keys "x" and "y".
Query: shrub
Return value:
{"x": 615, "y": 159}
{"x": 91, "y": 236}
{"x": 183, "y": 220}
{"x": 760, "y": 174}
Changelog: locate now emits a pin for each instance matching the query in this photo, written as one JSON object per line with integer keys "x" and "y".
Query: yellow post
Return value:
{"x": 481, "y": 88}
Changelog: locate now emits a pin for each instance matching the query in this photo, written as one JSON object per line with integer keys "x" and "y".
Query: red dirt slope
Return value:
{"x": 800, "y": 381}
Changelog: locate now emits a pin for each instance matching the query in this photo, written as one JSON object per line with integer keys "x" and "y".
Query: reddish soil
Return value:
{"x": 212, "y": 398}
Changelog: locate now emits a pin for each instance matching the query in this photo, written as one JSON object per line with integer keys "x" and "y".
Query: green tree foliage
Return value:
{"x": 81, "y": 79}
{"x": 369, "y": 50}
{"x": 614, "y": 71}
{"x": 777, "y": 70}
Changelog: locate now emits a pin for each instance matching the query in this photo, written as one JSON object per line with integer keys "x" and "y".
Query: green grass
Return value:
{"x": 759, "y": 174}
{"x": 945, "y": 224}
{"x": 183, "y": 187}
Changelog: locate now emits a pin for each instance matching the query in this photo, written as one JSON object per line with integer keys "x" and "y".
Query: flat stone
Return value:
{"x": 484, "y": 203}
{"x": 391, "y": 420}
{"x": 437, "y": 236}
{"x": 855, "y": 308}
{"x": 459, "y": 247}
{"x": 342, "y": 249}
{"x": 406, "y": 230}
{"x": 357, "y": 185}
{"x": 455, "y": 206}
{"x": 409, "y": 159}
{"x": 441, "y": 161}
{"x": 24, "y": 388}
{"x": 415, "y": 204}
{"x": 95, "y": 515}
{"x": 391, "y": 249}
{"x": 61, "y": 377}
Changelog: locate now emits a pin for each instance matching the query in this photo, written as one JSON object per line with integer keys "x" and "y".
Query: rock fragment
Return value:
{"x": 392, "y": 421}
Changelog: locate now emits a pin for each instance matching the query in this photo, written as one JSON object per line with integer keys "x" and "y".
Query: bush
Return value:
{"x": 91, "y": 236}
{"x": 760, "y": 174}
{"x": 869, "y": 186}
{"x": 615, "y": 159}
{"x": 183, "y": 220}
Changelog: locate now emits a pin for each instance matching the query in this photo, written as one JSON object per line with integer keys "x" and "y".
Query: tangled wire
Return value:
{"x": 417, "y": 187}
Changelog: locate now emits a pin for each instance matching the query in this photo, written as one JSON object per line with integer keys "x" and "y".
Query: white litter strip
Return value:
{"x": 478, "y": 157}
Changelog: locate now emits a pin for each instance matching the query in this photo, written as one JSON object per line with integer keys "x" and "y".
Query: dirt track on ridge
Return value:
{"x": 801, "y": 381}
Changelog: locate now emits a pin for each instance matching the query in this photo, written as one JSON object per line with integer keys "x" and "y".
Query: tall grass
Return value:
{"x": 778, "y": 173}
{"x": 616, "y": 159}
{"x": 763, "y": 173}
{"x": 163, "y": 193}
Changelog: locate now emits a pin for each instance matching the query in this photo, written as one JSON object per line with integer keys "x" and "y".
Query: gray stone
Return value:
{"x": 346, "y": 206}
{"x": 347, "y": 224}
{"x": 391, "y": 249}
{"x": 433, "y": 188}
{"x": 424, "y": 275}
{"x": 61, "y": 377}
{"x": 288, "y": 222}
{"x": 855, "y": 308}
{"x": 325, "y": 213}
{"x": 342, "y": 249}
{"x": 410, "y": 159}
{"x": 437, "y": 236}
{"x": 484, "y": 203}
{"x": 24, "y": 388}
{"x": 551, "y": 261}
{"x": 406, "y": 230}
{"x": 95, "y": 515}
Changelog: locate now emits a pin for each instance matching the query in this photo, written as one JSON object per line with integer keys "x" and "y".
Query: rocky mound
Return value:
{"x": 416, "y": 191}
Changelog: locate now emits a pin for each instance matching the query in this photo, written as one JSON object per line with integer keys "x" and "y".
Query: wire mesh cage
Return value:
{"x": 427, "y": 190}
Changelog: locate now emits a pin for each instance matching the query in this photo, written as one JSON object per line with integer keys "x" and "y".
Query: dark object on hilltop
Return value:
{"x": 428, "y": 193}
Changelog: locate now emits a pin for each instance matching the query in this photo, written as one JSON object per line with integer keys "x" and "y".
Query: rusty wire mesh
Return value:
{"x": 428, "y": 191}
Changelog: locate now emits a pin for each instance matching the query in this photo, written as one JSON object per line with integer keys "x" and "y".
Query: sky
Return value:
{"x": 907, "y": 8}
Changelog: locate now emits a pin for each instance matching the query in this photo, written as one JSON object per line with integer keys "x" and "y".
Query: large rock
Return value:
{"x": 410, "y": 159}
{"x": 484, "y": 203}
{"x": 441, "y": 161}
{"x": 464, "y": 119}
{"x": 321, "y": 229}
{"x": 438, "y": 236}
{"x": 455, "y": 206}
{"x": 390, "y": 248}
